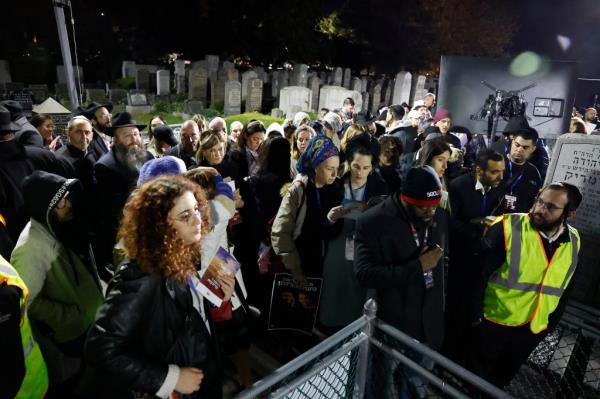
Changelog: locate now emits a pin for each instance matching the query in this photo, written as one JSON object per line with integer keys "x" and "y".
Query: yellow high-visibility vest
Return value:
{"x": 528, "y": 286}
{"x": 35, "y": 383}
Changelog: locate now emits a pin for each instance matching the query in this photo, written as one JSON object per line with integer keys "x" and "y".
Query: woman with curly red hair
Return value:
{"x": 153, "y": 335}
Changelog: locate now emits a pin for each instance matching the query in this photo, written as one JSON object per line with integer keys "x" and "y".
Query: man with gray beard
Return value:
{"x": 116, "y": 174}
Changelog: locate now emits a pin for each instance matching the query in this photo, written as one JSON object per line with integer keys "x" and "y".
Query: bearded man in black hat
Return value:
{"x": 99, "y": 115}
{"x": 116, "y": 174}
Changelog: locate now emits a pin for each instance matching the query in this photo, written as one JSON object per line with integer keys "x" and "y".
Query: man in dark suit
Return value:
{"x": 398, "y": 252}
{"x": 99, "y": 115}
{"x": 116, "y": 174}
{"x": 26, "y": 134}
{"x": 474, "y": 197}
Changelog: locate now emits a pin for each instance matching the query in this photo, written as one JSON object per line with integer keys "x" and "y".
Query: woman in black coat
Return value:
{"x": 154, "y": 335}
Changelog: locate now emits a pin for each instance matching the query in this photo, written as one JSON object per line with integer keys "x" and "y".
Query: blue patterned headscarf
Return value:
{"x": 318, "y": 150}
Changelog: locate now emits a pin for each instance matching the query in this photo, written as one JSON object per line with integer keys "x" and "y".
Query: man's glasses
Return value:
{"x": 548, "y": 205}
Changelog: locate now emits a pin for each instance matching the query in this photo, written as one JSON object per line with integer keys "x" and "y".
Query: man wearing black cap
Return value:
{"x": 17, "y": 161}
{"x": 163, "y": 139}
{"x": 26, "y": 133}
{"x": 99, "y": 115}
{"x": 398, "y": 252}
{"x": 116, "y": 175}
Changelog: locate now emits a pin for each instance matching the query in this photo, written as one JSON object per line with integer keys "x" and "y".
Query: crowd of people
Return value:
{"x": 106, "y": 236}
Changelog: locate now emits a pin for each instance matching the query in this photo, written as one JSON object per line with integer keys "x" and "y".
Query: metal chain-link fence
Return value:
{"x": 371, "y": 359}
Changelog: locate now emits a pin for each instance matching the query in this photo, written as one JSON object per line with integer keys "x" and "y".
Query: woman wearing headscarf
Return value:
{"x": 309, "y": 211}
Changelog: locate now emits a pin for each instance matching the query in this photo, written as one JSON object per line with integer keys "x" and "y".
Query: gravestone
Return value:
{"x": 212, "y": 64}
{"x": 388, "y": 88}
{"x": 228, "y": 65}
{"x": 148, "y": 67}
{"x": 128, "y": 69}
{"x": 23, "y": 97}
{"x": 233, "y": 97}
{"x": 233, "y": 74}
{"x": 314, "y": 84}
{"x": 375, "y": 98}
{"x": 347, "y": 78}
{"x": 324, "y": 76}
{"x": 356, "y": 85}
{"x": 4, "y": 72}
{"x": 418, "y": 91}
{"x": 217, "y": 91}
{"x": 246, "y": 76}
{"x": 194, "y": 106}
{"x": 198, "y": 81}
{"x": 299, "y": 76}
{"x": 365, "y": 101}
{"x": 179, "y": 76}
{"x": 117, "y": 96}
{"x": 97, "y": 95}
{"x": 277, "y": 113}
{"x": 61, "y": 73}
{"x": 292, "y": 97}
{"x": 332, "y": 97}
{"x": 199, "y": 64}
{"x": 275, "y": 83}
{"x": 364, "y": 83}
{"x": 261, "y": 74}
{"x": 163, "y": 82}
{"x": 142, "y": 79}
{"x": 338, "y": 75}
{"x": 283, "y": 80}
{"x": 40, "y": 92}
{"x": 137, "y": 101}
{"x": 254, "y": 95}
{"x": 402, "y": 88}
{"x": 576, "y": 160}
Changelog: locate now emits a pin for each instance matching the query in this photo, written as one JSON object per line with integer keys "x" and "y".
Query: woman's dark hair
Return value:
{"x": 150, "y": 132}
{"x": 253, "y": 126}
{"x": 39, "y": 119}
{"x": 392, "y": 148}
{"x": 274, "y": 157}
{"x": 147, "y": 234}
{"x": 205, "y": 179}
{"x": 433, "y": 148}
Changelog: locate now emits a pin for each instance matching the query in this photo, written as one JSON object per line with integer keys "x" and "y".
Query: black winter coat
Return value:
{"x": 147, "y": 323}
{"x": 97, "y": 147}
{"x": 386, "y": 259}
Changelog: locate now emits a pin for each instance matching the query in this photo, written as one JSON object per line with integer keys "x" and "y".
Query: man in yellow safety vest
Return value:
{"x": 23, "y": 371}
{"x": 530, "y": 258}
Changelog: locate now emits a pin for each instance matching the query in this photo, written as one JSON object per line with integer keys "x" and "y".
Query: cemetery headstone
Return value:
{"x": 338, "y": 75}
{"x": 198, "y": 81}
{"x": 356, "y": 84}
{"x": 261, "y": 74}
{"x": 299, "y": 76}
{"x": 23, "y": 97}
{"x": 294, "y": 97}
{"x": 233, "y": 97}
{"x": 277, "y": 113}
{"x": 576, "y": 160}
{"x": 233, "y": 74}
{"x": 163, "y": 80}
{"x": 128, "y": 69}
{"x": 246, "y": 76}
{"x": 418, "y": 91}
{"x": 217, "y": 92}
{"x": 314, "y": 84}
{"x": 137, "y": 101}
{"x": 402, "y": 88}
{"x": 375, "y": 98}
{"x": 194, "y": 106}
{"x": 347, "y": 78}
{"x": 142, "y": 79}
{"x": 387, "y": 94}
{"x": 212, "y": 63}
{"x": 365, "y": 101}
{"x": 364, "y": 83}
{"x": 254, "y": 95}
{"x": 332, "y": 97}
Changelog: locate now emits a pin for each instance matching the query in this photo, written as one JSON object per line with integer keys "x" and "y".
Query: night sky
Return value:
{"x": 146, "y": 32}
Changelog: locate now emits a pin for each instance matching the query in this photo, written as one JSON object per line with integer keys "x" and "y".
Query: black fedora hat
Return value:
{"x": 124, "y": 119}
{"x": 6, "y": 124}
{"x": 92, "y": 107}
{"x": 14, "y": 107}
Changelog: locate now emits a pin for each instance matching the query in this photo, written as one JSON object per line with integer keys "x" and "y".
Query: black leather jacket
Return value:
{"x": 147, "y": 323}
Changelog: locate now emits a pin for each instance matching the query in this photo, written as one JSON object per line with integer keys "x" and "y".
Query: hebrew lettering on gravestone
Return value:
{"x": 233, "y": 97}
{"x": 576, "y": 160}
{"x": 254, "y": 95}
{"x": 137, "y": 99}
{"x": 198, "y": 83}
{"x": 246, "y": 76}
